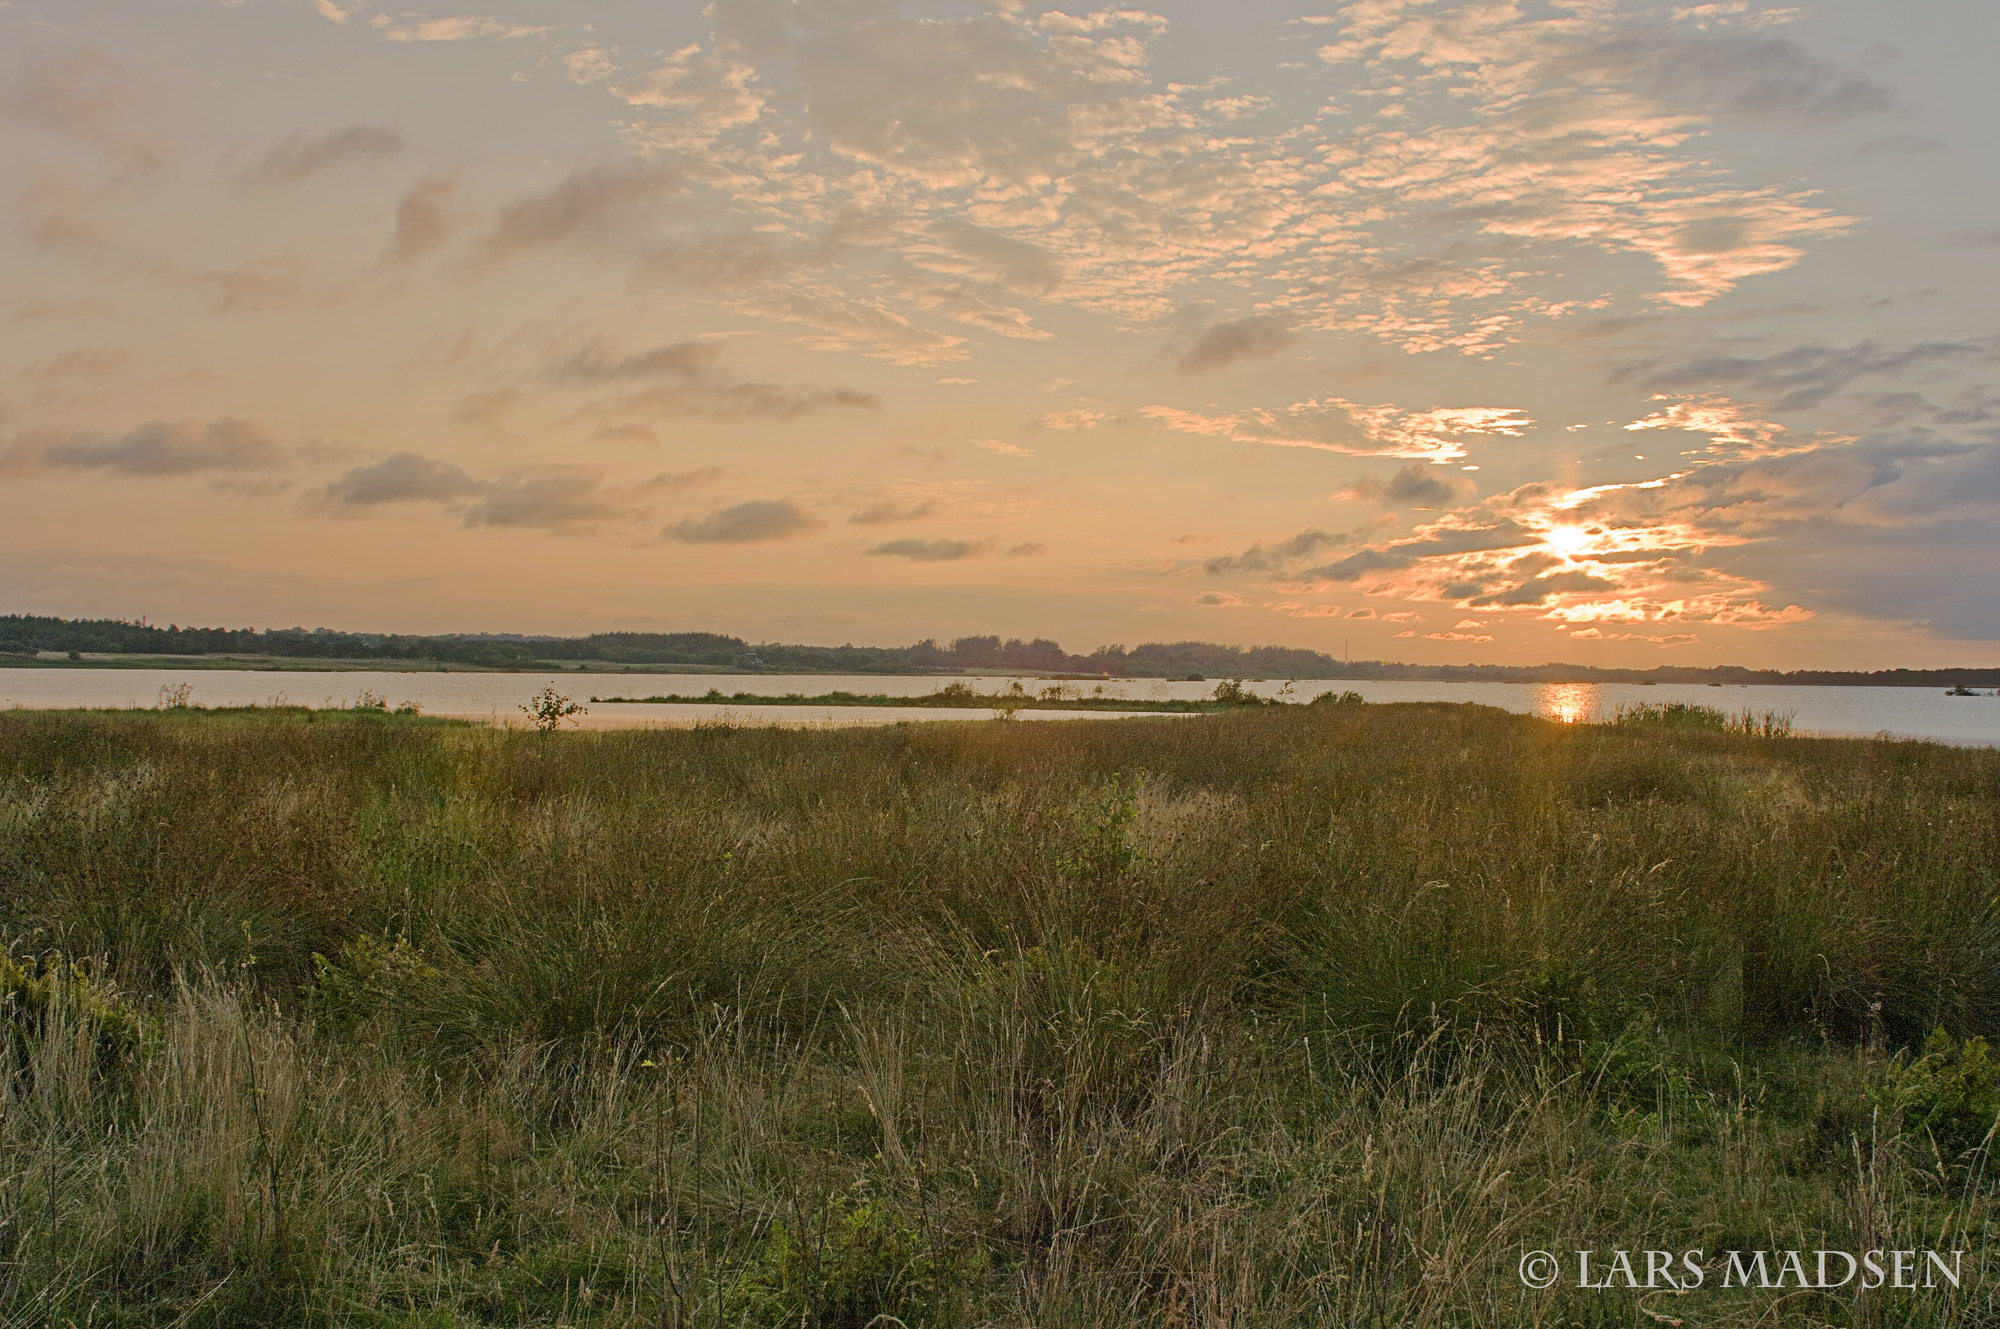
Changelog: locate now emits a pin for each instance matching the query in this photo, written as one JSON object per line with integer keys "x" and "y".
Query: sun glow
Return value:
{"x": 1566, "y": 540}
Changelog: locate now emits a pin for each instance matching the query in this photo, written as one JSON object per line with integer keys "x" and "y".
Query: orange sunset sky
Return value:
{"x": 1614, "y": 333}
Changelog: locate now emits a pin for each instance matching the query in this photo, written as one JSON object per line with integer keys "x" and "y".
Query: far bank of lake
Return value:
{"x": 1926, "y": 713}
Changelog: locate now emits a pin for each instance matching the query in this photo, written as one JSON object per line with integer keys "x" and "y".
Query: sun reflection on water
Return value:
{"x": 1572, "y": 703}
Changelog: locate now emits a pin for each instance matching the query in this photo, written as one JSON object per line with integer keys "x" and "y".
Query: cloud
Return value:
{"x": 1799, "y": 377}
{"x": 1418, "y": 485}
{"x": 94, "y": 97}
{"x": 1335, "y": 424}
{"x": 157, "y": 448}
{"x": 1026, "y": 549}
{"x": 275, "y": 283}
{"x": 553, "y": 498}
{"x": 1356, "y": 566}
{"x": 1223, "y": 344}
{"x": 1217, "y": 598}
{"x": 1275, "y": 557}
{"x": 84, "y": 365}
{"x": 745, "y": 523}
{"x": 592, "y": 206}
{"x": 695, "y": 384}
{"x": 399, "y": 478}
{"x": 426, "y": 219}
{"x": 456, "y": 28}
{"x": 699, "y": 476}
{"x": 1750, "y": 75}
{"x": 931, "y": 551}
{"x": 299, "y": 156}
{"x": 886, "y": 510}
{"x": 485, "y": 408}
{"x": 1003, "y": 449}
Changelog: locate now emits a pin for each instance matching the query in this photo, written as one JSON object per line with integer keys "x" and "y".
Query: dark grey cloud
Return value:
{"x": 930, "y": 551}
{"x": 1027, "y": 549}
{"x": 593, "y": 205}
{"x": 594, "y": 363}
{"x": 1803, "y": 376}
{"x": 1356, "y": 566}
{"x": 990, "y": 256}
{"x": 156, "y": 448}
{"x": 400, "y": 478}
{"x": 1894, "y": 145}
{"x": 298, "y": 157}
{"x": 1277, "y": 556}
{"x": 1980, "y": 235}
{"x": 1754, "y": 75}
{"x": 883, "y": 511}
{"x": 1505, "y": 534}
{"x": 557, "y": 498}
{"x": 427, "y": 217}
{"x": 692, "y": 383}
{"x": 1223, "y": 344}
{"x": 485, "y": 408}
{"x": 1537, "y": 590}
{"x": 1418, "y": 485}
{"x": 92, "y": 96}
{"x": 694, "y": 479}
{"x": 745, "y": 523}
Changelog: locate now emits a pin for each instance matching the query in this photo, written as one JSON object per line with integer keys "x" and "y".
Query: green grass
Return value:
{"x": 1287, "y": 1016}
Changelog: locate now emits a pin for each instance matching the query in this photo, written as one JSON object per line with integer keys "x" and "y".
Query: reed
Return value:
{"x": 1292, "y": 1015}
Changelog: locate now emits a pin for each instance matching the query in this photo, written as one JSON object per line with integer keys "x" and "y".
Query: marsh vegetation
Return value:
{"x": 1294, "y": 1015}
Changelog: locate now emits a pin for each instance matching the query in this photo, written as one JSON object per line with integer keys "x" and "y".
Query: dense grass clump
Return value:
{"x": 1296, "y": 1015}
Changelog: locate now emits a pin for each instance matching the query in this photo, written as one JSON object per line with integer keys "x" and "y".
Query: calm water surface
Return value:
{"x": 1903, "y": 712}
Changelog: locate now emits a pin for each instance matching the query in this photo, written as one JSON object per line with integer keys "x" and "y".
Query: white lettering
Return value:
{"x": 1738, "y": 1272}
{"x": 1660, "y": 1264}
{"x": 1691, "y": 1261}
{"x": 1791, "y": 1265}
{"x": 1896, "y": 1258}
{"x": 1621, "y": 1260}
{"x": 1844, "y": 1277}
{"x": 1931, "y": 1257}
{"x": 1871, "y": 1263}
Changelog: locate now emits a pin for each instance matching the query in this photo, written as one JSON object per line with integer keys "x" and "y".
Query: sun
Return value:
{"x": 1566, "y": 540}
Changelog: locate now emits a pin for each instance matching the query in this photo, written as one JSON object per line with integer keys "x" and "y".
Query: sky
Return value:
{"x": 1610, "y": 333}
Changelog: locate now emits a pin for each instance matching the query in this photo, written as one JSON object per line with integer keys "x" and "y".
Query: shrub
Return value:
{"x": 1951, "y": 1093}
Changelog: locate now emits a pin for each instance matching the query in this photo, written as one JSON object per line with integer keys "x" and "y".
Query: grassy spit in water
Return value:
{"x": 1229, "y": 695}
{"x": 1291, "y": 1016}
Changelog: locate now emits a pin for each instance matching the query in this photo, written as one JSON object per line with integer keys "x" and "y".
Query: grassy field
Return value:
{"x": 1295, "y": 1015}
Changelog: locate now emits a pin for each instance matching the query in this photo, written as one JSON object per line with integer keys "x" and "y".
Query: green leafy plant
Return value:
{"x": 34, "y": 990}
{"x": 1951, "y": 1093}
{"x": 1349, "y": 698}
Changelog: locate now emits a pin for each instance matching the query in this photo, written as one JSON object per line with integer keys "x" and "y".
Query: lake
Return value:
{"x": 1902, "y": 712}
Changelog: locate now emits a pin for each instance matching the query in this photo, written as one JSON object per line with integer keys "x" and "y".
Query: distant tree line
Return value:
{"x": 23, "y": 634}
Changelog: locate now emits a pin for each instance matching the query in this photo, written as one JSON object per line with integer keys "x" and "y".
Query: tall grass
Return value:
{"x": 1289, "y": 1016}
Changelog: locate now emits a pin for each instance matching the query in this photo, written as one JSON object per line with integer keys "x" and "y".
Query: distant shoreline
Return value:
{"x": 1360, "y": 672}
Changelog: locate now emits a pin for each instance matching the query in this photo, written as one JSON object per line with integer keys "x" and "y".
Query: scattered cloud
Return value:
{"x": 932, "y": 551}
{"x": 399, "y": 478}
{"x": 1223, "y": 344}
{"x": 1336, "y": 424}
{"x": 745, "y": 523}
{"x": 563, "y": 499}
{"x": 427, "y": 218}
{"x": 1418, "y": 485}
{"x": 455, "y": 28}
{"x": 93, "y": 97}
{"x": 690, "y": 381}
{"x": 485, "y": 409}
{"x": 299, "y": 156}
{"x": 593, "y": 206}
{"x": 157, "y": 448}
